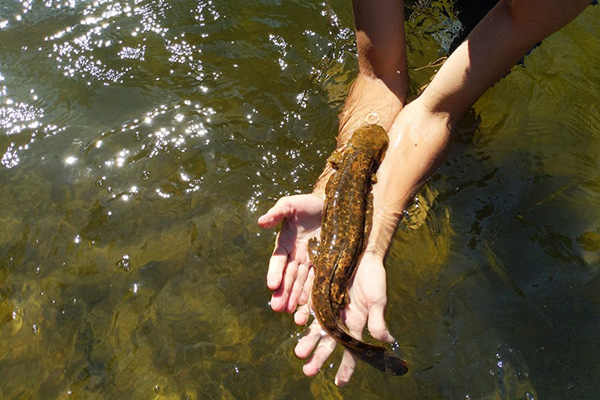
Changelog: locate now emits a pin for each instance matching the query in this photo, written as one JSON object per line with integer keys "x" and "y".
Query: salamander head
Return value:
{"x": 372, "y": 137}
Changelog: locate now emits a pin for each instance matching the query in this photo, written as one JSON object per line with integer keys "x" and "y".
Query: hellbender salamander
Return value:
{"x": 347, "y": 220}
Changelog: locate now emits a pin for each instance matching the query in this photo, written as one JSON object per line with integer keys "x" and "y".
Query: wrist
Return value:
{"x": 319, "y": 188}
{"x": 371, "y": 100}
{"x": 372, "y": 257}
{"x": 419, "y": 140}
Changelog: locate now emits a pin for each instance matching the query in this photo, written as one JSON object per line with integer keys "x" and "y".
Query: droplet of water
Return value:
{"x": 373, "y": 118}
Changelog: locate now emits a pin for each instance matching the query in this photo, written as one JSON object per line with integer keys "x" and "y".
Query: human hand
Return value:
{"x": 366, "y": 306}
{"x": 418, "y": 141}
{"x": 289, "y": 274}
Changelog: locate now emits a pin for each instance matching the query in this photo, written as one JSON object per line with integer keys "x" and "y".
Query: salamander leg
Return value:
{"x": 313, "y": 250}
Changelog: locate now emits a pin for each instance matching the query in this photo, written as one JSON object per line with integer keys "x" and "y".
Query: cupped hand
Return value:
{"x": 289, "y": 274}
{"x": 366, "y": 307}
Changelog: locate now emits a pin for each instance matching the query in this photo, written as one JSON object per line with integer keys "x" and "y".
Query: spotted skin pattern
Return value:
{"x": 347, "y": 220}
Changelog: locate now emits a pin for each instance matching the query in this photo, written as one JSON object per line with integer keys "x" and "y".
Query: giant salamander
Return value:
{"x": 347, "y": 220}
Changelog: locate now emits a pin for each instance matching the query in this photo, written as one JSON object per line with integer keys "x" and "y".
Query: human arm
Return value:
{"x": 420, "y": 137}
{"x": 379, "y": 92}
{"x": 421, "y": 133}
{"x": 381, "y": 86}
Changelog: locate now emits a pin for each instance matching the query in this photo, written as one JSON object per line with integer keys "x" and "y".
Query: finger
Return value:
{"x": 355, "y": 320}
{"x": 278, "y": 212}
{"x": 289, "y": 278}
{"x": 297, "y": 287}
{"x": 307, "y": 288}
{"x": 278, "y": 300}
{"x": 277, "y": 264}
{"x": 308, "y": 342}
{"x": 346, "y": 369}
{"x": 280, "y": 297}
{"x": 302, "y": 315}
{"x": 324, "y": 349}
{"x": 377, "y": 326}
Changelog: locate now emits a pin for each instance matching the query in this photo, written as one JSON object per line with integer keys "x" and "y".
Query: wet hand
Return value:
{"x": 289, "y": 274}
{"x": 366, "y": 307}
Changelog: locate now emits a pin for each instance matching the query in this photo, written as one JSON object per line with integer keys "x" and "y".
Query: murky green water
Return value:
{"x": 140, "y": 140}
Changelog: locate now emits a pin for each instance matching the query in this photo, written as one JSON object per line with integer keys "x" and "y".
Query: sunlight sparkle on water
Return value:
{"x": 163, "y": 194}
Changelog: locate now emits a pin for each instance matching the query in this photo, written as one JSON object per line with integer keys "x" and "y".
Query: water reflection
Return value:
{"x": 140, "y": 141}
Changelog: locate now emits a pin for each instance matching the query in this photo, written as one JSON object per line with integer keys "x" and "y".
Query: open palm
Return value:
{"x": 367, "y": 294}
{"x": 289, "y": 274}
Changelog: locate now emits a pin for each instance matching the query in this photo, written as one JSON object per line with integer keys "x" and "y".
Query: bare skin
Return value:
{"x": 419, "y": 138}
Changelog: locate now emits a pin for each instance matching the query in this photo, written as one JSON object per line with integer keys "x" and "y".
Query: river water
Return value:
{"x": 141, "y": 139}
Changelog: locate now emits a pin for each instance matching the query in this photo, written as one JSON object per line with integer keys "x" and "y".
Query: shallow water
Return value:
{"x": 141, "y": 140}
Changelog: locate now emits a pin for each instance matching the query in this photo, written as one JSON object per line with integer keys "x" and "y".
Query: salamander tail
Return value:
{"x": 379, "y": 357}
{"x": 383, "y": 359}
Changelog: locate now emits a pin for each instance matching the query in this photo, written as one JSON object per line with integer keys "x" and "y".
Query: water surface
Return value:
{"x": 141, "y": 140}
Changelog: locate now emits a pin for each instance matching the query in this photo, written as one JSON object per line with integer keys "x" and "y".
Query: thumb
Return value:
{"x": 282, "y": 209}
{"x": 377, "y": 326}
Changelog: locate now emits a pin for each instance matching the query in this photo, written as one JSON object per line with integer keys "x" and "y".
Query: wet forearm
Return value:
{"x": 380, "y": 89}
{"x": 369, "y": 101}
{"x": 419, "y": 141}
{"x": 421, "y": 135}
{"x": 495, "y": 45}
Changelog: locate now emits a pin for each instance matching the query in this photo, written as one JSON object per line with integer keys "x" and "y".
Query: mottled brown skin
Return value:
{"x": 347, "y": 219}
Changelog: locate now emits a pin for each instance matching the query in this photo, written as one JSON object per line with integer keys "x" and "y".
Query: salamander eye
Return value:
{"x": 335, "y": 159}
